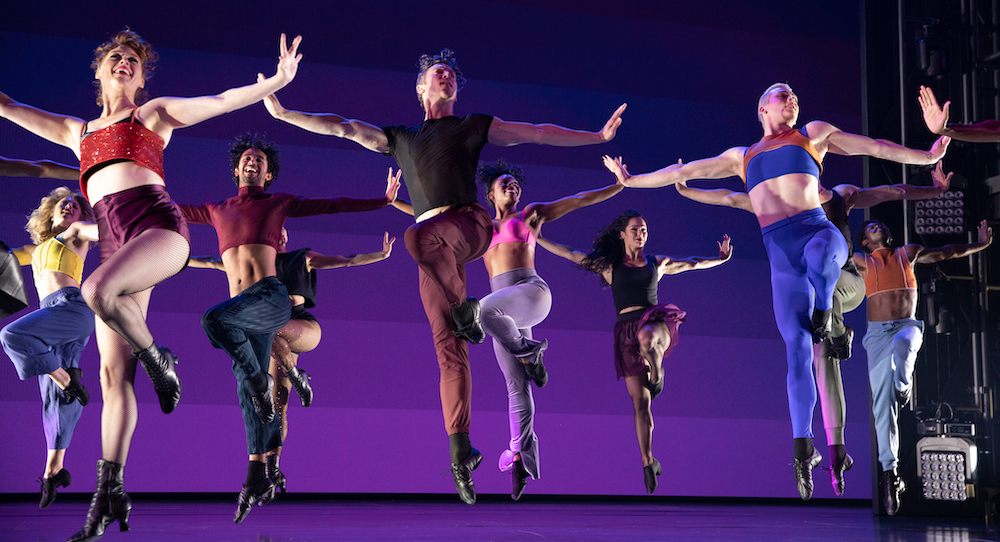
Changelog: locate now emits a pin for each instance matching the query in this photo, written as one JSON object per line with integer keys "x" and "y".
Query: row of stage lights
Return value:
{"x": 942, "y": 215}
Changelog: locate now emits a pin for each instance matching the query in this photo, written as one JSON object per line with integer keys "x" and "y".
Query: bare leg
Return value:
{"x": 60, "y": 377}
{"x": 54, "y": 462}
{"x": 654, "y": 339}
{"x": 637, "y": 390}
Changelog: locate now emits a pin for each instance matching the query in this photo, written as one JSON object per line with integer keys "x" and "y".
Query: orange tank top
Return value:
{"x": 888, "y": 269}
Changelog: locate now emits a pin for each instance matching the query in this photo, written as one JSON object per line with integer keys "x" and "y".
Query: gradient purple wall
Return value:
{"x": 691, "y": 76}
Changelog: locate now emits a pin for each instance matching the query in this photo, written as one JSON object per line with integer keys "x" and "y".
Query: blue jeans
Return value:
{"x": 244, "y": 327}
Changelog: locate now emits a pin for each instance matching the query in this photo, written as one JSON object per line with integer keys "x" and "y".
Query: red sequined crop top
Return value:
{"x": 124, "y": 140}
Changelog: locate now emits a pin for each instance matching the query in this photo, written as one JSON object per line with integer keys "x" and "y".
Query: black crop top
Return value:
{"x": 634, "y": 286}
{"x": 291, "y": 268}
{"x": 439, "y": 158}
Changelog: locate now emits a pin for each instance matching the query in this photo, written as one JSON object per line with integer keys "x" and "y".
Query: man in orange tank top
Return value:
{"x": 894, "y": 336}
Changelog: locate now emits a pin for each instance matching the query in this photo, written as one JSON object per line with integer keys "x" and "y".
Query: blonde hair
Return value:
{"x": 762, "y": 101}
{"x": 40, "y": 222}
{"x": 142, "y": 48}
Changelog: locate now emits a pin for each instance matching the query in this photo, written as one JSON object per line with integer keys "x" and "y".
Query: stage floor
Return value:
{"x": 325, "y": 518}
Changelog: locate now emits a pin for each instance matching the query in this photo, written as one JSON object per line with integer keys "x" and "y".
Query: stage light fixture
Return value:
{"x": 946, "y": 468}
{"x": 942, "y": 215}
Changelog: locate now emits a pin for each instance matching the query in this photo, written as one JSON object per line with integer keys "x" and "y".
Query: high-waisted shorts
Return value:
{"x": 299, "y": 312}
{"x": 628, "y": 360}
{"x": 124, "y": 215}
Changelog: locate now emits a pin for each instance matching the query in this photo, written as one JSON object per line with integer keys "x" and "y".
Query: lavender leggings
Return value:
{"x": 520, "y": 300}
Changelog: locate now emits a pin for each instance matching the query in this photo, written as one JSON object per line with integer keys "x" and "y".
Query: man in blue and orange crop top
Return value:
{"x": 894, "y": 336}
{"x": 438, "y": 158}
{"x": 249, "y": 229}
{"x": 805, "y": 250}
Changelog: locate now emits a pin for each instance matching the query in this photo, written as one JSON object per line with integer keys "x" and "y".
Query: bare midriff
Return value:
{"x": 785, "y": 196}
{"x": 247, "y": 265}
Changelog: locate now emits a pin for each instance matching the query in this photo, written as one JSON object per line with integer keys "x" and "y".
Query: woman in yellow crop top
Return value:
{"x": 143, "y": 237}
{"x": 48, "y": 342}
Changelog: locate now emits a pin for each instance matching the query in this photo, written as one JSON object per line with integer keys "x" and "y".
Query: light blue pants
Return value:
{"x": 892, "y": 350}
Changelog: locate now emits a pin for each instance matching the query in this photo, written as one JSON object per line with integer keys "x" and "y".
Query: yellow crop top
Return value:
{"x": 54, "y": 255}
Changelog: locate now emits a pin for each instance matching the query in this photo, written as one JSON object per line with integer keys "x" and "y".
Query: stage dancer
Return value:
{"x": 46, "y": 169}
{"x": 936, "y": 118}
{"x": 837, "y": 203}
{"x": 438, "y": 158}
{"x": 249, "y": 228}
{"x": 48, "y": 342}
{"x": 143, "y": 237}
{"x": 894, "y": 336}
{"x": 805, "y": 250}
{"x": 297, "y": 271}
{"x": 646, "y": 331}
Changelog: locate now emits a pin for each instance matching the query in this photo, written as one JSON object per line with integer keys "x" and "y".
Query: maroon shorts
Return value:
{"x": 628, "y": 360}
{"x": 123, "y": 215}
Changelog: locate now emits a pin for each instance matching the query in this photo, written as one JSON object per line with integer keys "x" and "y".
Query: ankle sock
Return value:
{"x": 838, "y": 453}
{"x": 460, "y": 447}
{"x": 255, "y": 472}
{"x": 803, "y": 447}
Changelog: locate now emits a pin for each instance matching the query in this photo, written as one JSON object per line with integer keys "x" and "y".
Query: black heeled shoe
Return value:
{"x": 532, "y": 361}
{"x": 75, "y": 391}
{"x": 274, "y": 473}
{"x": 654, "y": 389}
{"x": 462, "y": 473}
{"x": 821, "y": 325}
{"x": 518, "y": 479}
{"x": 465, "y": 319}
{"x": 159, "y": 363}
{"x": 261, "y": 492}
{"x": 649, "y": 474}
{"x": 49, "y": 485}
{"x": 300, "y": 383}
{"x": 263, "y": 399}
{"x": 109, "y": 503}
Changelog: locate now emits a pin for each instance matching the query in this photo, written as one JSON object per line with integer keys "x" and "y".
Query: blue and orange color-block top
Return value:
{"x": 781, "y": 154}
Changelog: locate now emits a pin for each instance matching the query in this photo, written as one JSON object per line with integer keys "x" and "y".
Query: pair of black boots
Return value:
{"x": 110, "y": 503}
{"x": 261, "y": 491}
{"x": 159, "y": 362}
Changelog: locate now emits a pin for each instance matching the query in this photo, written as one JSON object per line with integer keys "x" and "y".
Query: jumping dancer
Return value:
{"x": 847, "y": 296}
{"x": 249, "y": 228}
{"x": 438, "y": 158}
{"x": 48, "y": 343}
{"x": 144, "y": 238}
{"x": 805, "y": 250}
{"x": 894, "y": 336}
{"x": 297, "y": 271}
{"x": 646, "y": 331}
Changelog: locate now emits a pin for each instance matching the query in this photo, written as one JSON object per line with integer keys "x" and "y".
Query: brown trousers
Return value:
{"x": 441, "y": 246}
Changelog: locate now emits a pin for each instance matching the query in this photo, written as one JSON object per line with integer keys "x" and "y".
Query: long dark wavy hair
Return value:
{"x": 609, "y": 249}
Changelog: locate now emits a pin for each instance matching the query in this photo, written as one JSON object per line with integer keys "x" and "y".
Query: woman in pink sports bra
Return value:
{"x": 520, "y": 300}
{"x": 143, "y": 237}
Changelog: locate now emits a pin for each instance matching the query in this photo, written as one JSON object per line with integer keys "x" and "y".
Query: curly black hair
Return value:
{"x": 860, "y": 237}
{"x": 486, "y": 173}
{"x": 609, "y": 250}
{"x": 256, "y": 142}
{"x": 446, "y": 57}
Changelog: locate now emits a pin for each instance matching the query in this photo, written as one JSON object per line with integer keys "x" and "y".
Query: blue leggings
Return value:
{"x": 806, "y": 252}
{"x": 41, "y": 342}
{"x": 244, "y": 327}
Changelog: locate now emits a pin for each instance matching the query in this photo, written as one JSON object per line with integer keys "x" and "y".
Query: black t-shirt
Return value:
{"x": 634, "y": 286}
{"x": 438, "y": 158}
{"x": 291, "y": 267}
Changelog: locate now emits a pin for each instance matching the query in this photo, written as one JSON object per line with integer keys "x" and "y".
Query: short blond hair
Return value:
{"x": 763, "y": 97}
{"x": 40, "y": 222}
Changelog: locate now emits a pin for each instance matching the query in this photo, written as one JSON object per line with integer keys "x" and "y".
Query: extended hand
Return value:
{"x": 725, "y": 248}
{"x": 288, "y": 60}
{"x": 941, "y": 180}
{"x": 387, "y": 244}
{"x": 935, "y": 116}
{"x": 939, "y": 148}
{"x": 616, "y": 166}
{"x": 611, "y": 127}
{"x": 985, "y": 233}
{"x": 271, "y": 102}
{"x": 392, "y": 185}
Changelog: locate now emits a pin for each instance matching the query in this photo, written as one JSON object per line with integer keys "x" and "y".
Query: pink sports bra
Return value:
{"x": 514, "y": 230}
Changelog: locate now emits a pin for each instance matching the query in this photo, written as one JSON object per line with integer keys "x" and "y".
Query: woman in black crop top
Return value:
{"x": 646, "y": 331}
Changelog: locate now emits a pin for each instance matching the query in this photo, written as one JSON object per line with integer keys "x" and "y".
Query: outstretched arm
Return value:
{"x": 315, "y": 260}
{"x": 60, "y": 129}
{"x": 506, "y": 133}
{"x": 553, "y": 210}
{"x": 367, "y": 135}
{"x": 841, "y": 142}
{"x": 206, "y": 262}
{"x": 948, "y": 252}
{"x": 23, "y": 254}
{"x": 46, "y": 169}
{"x": 169, "y": 113}
{"x": 727, "y": 164}
{"x": 936, "y": 119}
{"x": 717, "y": 196}
{"x": 671, "y": 266}
{"x": 862, "y": 198}
{"x": 563, "y": 251}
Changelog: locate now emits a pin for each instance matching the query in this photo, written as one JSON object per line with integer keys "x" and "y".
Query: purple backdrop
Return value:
{"x": 691, "y": 75}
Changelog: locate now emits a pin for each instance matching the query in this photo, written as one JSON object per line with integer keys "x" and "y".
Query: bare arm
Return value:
{"x": 506, "y": 133}
{"x": 206, "y": 262}
{"x": 844, "y": 143}
{"x": 46, "y": 169}
{"x": 315, "y": 260}
{"x": 727, "y": 164}
{"x": 169, "y": 113}
{"x": 718, "y": 196}
{"x": 553, "y": 210}
{"x": 23, "y": 254}
{"x": 563, "y": 251}
{"x": 672, "y": 266}
{"x": 936, "y": 119}
{"x": 948, "y": 252}
{"x": 862, "y": 198}
{"x": 403, "y": 205}
{"x": 367, "y": 135}
{"x": 60, "y": 129}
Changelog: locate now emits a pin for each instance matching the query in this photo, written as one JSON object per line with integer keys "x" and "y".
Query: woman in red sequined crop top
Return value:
{"x": 121, "y": 155}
